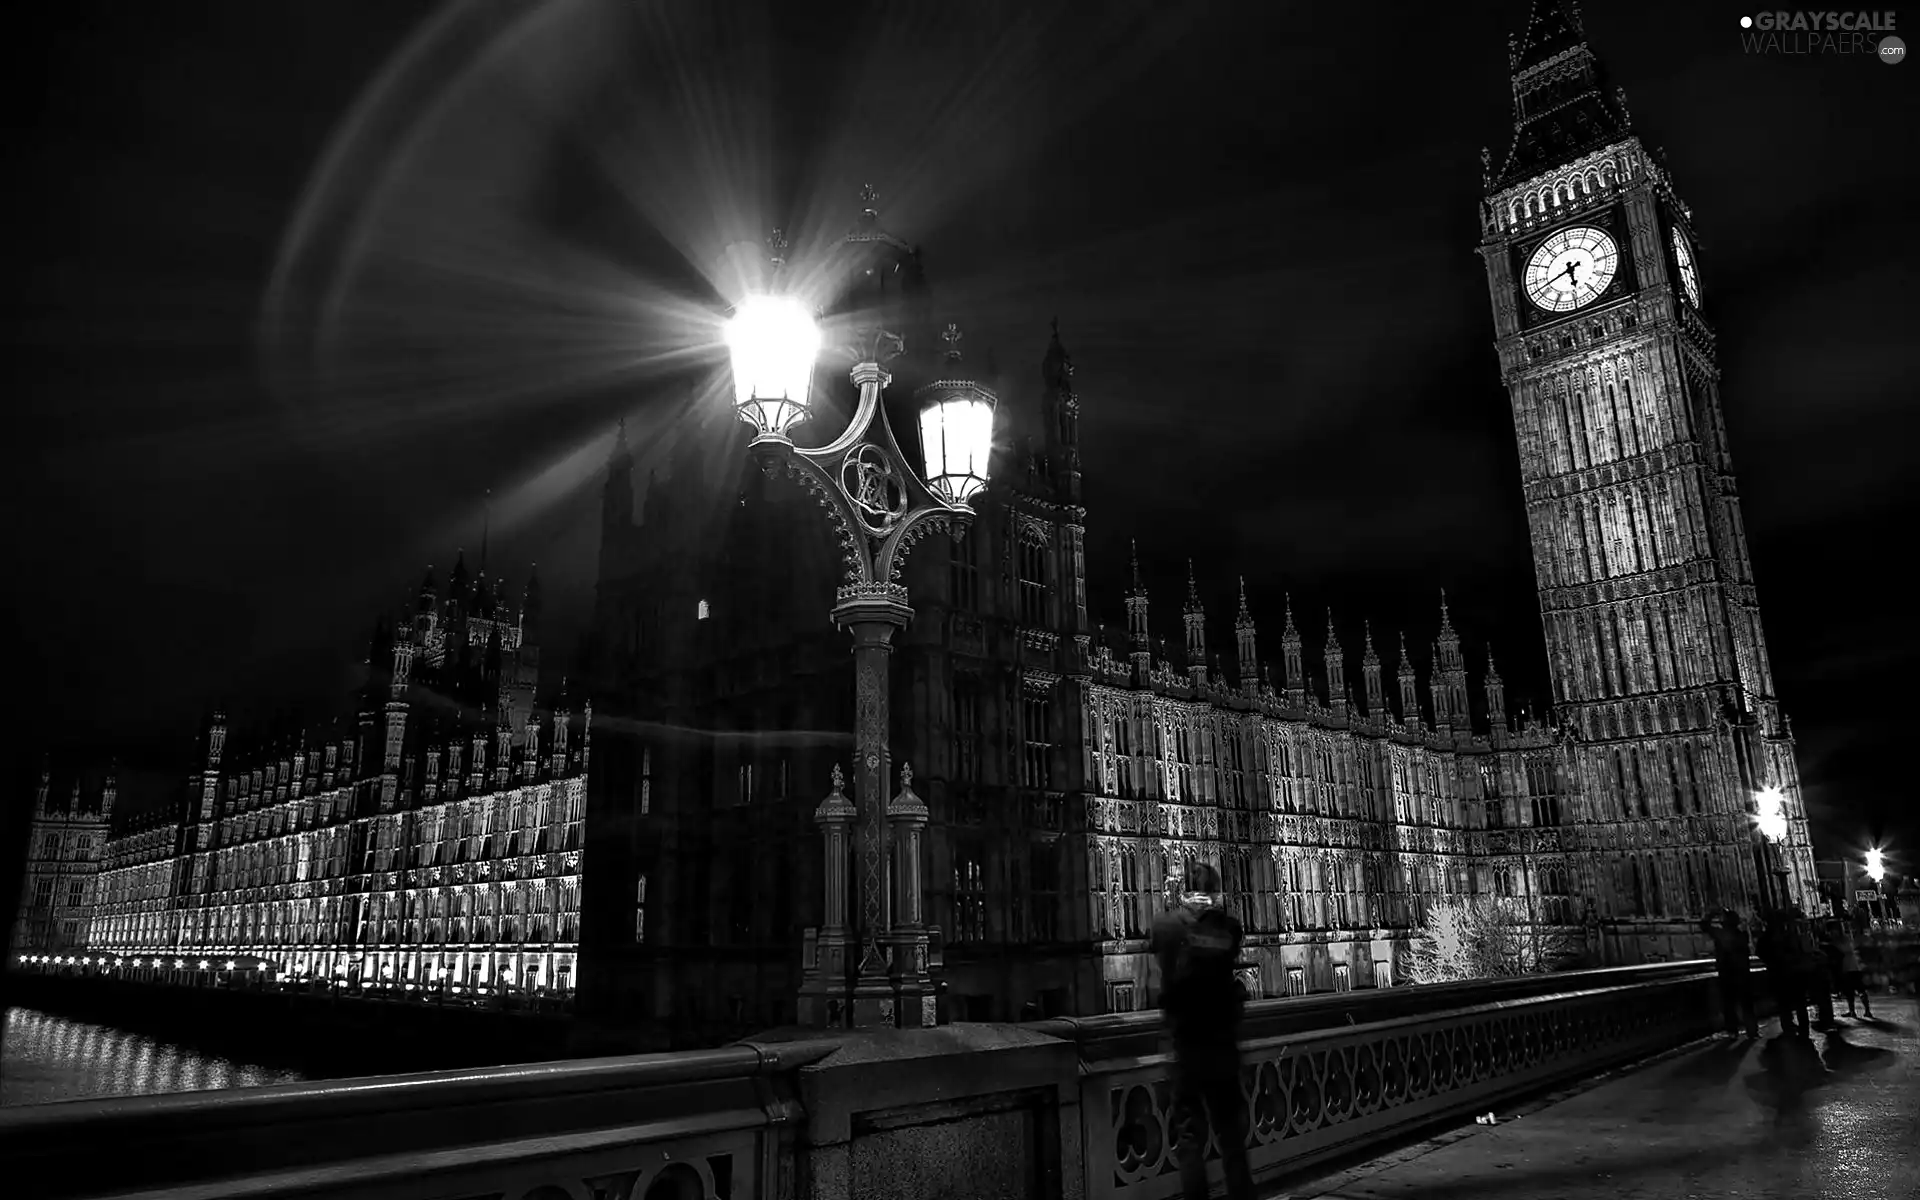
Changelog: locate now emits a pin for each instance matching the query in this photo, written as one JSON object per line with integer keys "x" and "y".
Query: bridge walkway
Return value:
{"x": 1839, "y": 1116}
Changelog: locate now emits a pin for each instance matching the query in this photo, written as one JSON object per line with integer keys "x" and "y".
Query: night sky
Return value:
{"x": 294, "y": 310}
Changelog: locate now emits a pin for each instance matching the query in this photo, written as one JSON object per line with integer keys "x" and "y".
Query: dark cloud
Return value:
{"x": 1257, "y": 226}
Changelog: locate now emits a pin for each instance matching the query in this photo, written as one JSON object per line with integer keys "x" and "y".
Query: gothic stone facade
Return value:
{"x": 1660, "y": 669}
{"x": 437, "y": 845}
{"x": 64, "y": 844}
{"x": 1068, "y": 776}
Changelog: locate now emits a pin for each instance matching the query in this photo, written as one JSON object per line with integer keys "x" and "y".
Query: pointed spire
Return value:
{"x": 621, "y": 455}
{"x": 1193, "y": 589}
{"x": 1333, "y": 637}
{"x": 1406, "y": 660}
{"x": 1134, "y": 545}
{"x": 1286, "y": 601}
{"x": 1243, "y": 617}
{"x": 1493, "y": 673}
{"x": 1056, "y": 369}
{"x": 1446, "y": 623}
{"x": 1368, "y": 657}
{"x": 1562, "y": 106}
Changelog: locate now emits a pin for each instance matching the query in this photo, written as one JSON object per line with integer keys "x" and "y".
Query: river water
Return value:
{"x": 46, "y": 1058}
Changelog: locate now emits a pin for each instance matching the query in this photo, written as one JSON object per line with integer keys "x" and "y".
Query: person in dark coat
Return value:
{"x": 1196, "y": 944}
{"x": 1784, "y": 948}
{"x": 1732, "y": 954}
{"x": 1843, "y": 963}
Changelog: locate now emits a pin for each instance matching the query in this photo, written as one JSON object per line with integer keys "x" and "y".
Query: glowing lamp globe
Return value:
{"x": 956, "y": 440}
{"x": 1876, "y": 865}
{"x": 1770, "y": 814}
{"x": 774, "y": 342}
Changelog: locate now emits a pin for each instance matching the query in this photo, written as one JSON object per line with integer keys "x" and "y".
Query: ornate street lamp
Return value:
{"x": 870, "y": 966}
{"x": 1876, "y": 865}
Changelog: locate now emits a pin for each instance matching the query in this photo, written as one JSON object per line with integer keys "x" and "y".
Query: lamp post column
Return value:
{"x": 871, "y": 613}
{"x": 824, "y": 989}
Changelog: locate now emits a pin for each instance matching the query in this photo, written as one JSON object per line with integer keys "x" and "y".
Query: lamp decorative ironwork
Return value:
{"x": 873, "y": 970}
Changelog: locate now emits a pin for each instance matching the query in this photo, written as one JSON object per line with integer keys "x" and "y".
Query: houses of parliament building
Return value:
{"x": 434, "y": 846}
{"x": 1342, "y": 785}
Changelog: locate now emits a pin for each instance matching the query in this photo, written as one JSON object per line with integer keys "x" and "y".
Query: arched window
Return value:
{"x": 1639, "y": 889}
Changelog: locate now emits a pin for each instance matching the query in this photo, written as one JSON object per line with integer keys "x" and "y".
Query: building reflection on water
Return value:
{"x": 48, "y": 1058}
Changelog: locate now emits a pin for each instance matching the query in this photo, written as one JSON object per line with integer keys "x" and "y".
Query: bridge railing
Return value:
{"x": 1074, "y": 1109}
{"x": 705, "y": 1123}
{"x": 1333, "y": 1075}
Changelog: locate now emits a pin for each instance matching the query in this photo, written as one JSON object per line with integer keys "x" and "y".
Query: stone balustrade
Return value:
{"x": 1066, "y": 1109}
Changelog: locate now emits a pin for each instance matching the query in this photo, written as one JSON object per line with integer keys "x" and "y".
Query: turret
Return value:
{"x": 1336, "y": 663}
{"x": 1450, "y": 675}
{"x": 40, "y": 792}
{"x": 1376, "y": 697}
{"x": 216, "y": 740}
{"x": 530, "y": 603}
{"x": 1060, "y": 408}
{"x": 1246, "y": 659}
{"x": 1294, "y": 668}
{"x": 1496, "y": 697}
{"x": 1195, "y": 617}
{"x": 562, "y": 718}
{"x": 459, "y": 587}
{"x": 1409, "y": 687}
{"x": 1138, "y": 638}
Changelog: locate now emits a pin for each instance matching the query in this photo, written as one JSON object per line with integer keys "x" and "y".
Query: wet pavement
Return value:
{"x": 1839, "y": 1116}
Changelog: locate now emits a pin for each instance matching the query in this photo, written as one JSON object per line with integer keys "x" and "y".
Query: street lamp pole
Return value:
{"x": 869, "y": 967}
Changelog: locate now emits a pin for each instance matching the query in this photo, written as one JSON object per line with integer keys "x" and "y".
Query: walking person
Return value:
{"x": 1845, "y": 960}
{"x": 1197, "y": 943}
{"x": 1732, "y": 955}
{"x": 1817, "y": 967}
{"x": 1785, "y": 980}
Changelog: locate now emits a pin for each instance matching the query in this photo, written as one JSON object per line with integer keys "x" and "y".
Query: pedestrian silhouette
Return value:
{"x": 1196, "y": 943}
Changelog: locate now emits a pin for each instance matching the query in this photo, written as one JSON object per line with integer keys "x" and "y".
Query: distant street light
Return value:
{"x": 872, "y": 965}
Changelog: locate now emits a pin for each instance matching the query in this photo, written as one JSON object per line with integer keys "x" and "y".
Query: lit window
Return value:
{"x": 704, "y": 612}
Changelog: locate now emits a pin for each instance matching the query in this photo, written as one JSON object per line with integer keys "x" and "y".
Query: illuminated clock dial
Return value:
{"x": 1571, "y": 268}
{"x": 1689, "y": 278}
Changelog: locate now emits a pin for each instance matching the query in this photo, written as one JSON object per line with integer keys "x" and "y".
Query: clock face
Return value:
{"x": 1689, "y": 278}
{"x": 1570, "y": 269}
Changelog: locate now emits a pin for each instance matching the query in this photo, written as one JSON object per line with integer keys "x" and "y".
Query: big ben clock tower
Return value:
{"x": 1675, "y": 740}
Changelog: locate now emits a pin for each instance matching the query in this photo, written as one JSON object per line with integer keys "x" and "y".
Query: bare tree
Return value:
{"x": 1485, "y": 937}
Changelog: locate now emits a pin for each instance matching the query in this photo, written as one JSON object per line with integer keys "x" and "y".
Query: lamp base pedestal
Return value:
{"x": 826, "y": 999}
{"x": 874, "y": 1004}
{"x": 916, "y": 1004}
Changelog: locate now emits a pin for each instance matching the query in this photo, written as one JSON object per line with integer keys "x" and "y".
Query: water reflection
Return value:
{"x": 50, "y": 1058}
